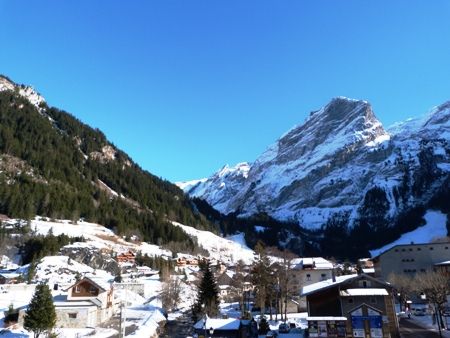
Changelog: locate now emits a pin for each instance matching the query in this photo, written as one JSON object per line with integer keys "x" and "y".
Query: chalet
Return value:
{"x": 366, "y": 266}
{"x": 351, "y": 305}
{"x": 10, "y": 277}
{"x": 126, "y": 257}
{"x": 307, "y": 271}
{"x": 217, "y": 327}
{"x": 185, "y": 261}
{"x": 87, "y": 303}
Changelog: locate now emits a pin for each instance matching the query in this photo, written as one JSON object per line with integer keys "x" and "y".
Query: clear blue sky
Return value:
{"x": 187, "y": 86}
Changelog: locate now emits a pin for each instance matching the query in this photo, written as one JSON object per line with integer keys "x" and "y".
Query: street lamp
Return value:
{"x": 211, "y": 331}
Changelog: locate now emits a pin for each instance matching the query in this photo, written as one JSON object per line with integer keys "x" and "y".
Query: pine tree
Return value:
{"x": 208, "y": 294}
{"x": 40, "y": 316}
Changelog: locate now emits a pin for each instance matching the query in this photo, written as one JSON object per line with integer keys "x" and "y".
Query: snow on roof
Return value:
{"x": 364, "y": 292}
{"x": 318, "y": 263}
{"x": 325, "y": 318}
{"x": 325, "y": 284}
{"x": 218, "y": 324}
{"x": 368, "y": 270}
{"x": 443, "y": 263}
{"x": 10, "y": 274}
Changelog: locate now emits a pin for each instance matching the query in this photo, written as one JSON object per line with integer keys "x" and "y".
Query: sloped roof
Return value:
{"x": 364, "y": 292}
{"x": 309, "y": 289}
{"x": 98, "y": 282}
{"x": 218, "y": 324}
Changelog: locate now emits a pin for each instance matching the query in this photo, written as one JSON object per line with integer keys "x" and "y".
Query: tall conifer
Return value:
{"x": 208, "y": 294}
{"x": 40, "y": 316}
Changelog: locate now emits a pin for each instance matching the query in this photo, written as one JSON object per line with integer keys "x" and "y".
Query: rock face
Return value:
{"x": 340, "y": 161}
{"x": 91, "y": 257}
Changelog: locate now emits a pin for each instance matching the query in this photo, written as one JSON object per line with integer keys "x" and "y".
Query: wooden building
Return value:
{"x": 364, "y": 302}
{"x": 126, "y": 257}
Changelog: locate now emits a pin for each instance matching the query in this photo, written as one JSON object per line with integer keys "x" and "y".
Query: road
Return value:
{"x": 409, "y": 329}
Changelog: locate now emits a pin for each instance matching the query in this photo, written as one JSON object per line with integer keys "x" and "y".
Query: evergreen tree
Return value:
{"x": 208, "y": 294}
{"x": 261, "y": 275}
{"x": 40, "y": 316}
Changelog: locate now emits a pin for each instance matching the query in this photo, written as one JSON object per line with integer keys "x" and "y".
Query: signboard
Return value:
{"x": 322, "y": 325}
{"x": 358, "y": 333}
{"x": 341, "y": 331}
{"x": 332, "y": 329}
{"x": 313, "y": 329}
{"x": 376, "y": 333}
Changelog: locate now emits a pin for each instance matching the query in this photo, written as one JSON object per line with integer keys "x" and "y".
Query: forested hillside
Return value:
{"x": 53, "y": 165}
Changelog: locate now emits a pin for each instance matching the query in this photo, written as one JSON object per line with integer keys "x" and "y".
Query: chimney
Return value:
{"x": 333, "y": 275}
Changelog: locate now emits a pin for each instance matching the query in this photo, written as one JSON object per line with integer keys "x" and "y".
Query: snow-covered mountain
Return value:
{"x": 340, "y": 161}
{"x": 27, "y": 92}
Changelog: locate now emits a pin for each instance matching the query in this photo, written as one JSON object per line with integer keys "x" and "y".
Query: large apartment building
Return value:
{"x": 411, "y": 259}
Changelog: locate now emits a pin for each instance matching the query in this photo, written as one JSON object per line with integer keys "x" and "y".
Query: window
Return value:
{"x": 323, "y": 276}
{"x": 364, "y": 283}
{"x": 308, "y": 276}
{"x": 418, "y": 249}
{"x": 77, "y": 289}
{"x": 410, "y": 249}
{"x": 93, "y": 289}
{"x": 373, "y": 300}
{"x": 431, "y": 248}
{"x": 73, "y": 315}
{"x": 350, "y": 300}
{"x": 396, "y": 250}
{"x": 446, "y": 248}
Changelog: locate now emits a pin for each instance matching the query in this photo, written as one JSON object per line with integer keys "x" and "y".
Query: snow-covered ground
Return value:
{"x": 435, "y": 227}
{"x": 231, "y": 249}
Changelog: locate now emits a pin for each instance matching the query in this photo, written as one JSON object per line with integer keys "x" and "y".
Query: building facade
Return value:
{"x": 364, "y": 303}
{"x": 410, "y": 259}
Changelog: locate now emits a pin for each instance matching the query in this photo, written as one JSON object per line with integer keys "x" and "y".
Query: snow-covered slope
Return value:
{"x": 337, "y": 162}
{"x": 228, "y": 250}
{"x": 25, "y": 91}
{"x": 434, "y": 228}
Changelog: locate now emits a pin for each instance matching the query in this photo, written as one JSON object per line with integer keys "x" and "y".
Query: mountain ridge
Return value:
{"x": 342, "y": 164}
{"x": 66, "y": 169}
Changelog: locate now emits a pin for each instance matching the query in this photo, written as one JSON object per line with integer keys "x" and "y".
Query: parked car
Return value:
{"x": 271, "y": 334}
{"x": 292, "y": 325}
{"x": 419, "y": 312}
{"x": 283, "y": 328}
{"x": 446, "y": 311}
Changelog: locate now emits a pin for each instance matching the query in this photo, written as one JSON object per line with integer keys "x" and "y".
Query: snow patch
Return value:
{"x": 435, "y": 227}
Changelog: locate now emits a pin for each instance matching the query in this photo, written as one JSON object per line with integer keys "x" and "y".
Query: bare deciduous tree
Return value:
{"x": 435, "y": 285}
{"x": 171, "y": 293}
{"x": 403, "y": 286}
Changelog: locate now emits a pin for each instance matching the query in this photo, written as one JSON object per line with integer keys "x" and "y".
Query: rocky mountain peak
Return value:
{"x": 341, "y": 123}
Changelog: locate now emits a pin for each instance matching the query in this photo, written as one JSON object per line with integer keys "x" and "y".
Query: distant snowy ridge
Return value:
{"x": 330, "y": 163}
{"x": 25, "y": 91}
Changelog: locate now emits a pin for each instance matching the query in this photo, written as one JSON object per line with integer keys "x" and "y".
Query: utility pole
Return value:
{"x": 120, "y": 320}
